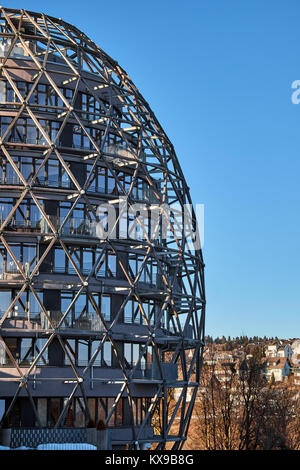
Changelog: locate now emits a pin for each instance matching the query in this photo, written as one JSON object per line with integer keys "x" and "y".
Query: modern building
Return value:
{"x": 101, "y": 287}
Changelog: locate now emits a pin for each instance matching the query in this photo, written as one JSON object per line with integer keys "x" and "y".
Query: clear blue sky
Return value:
{"x": 218, "y": 76}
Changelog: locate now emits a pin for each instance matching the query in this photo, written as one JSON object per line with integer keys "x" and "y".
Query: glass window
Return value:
{"x": 35, "y": 213}
{"x": 5, "y": 122}
{"x": 11, "y": 175}
{"x": 94, "y": 347}
{"x": 128, "y": 312}
{"x": 29, "y": 257}
{"x": 41, "y": 94}
{"x": 5, "y": 301}
{"x": 6, "y": 205}
{"x": 76, "y": 138}
{"x": 2, "y": 262}
{"x": 2, "y": 91}
{"x": 135, "y": 353}
{"x": 2, "y": 170}
{"x": 101, "y": 179}
{"x": 2, "y": 353}
{"x": 11, "y": 266}
{"x": 92, "y": 178}
{"x": 65, "y": 179}
{"x": 53, "y": 172}
{"x": 80, "y": 305}
{"x": 86, "y": 143}
{"x": 87, "y": 264}
{"x": 21, "y": 214}
{"x": 26, "y": 167}
{"x": 128, "y": 352}
{"x": 39, "y": 344}
{"x": 21, "y": 306}
{"x": 22, "y": 88}
{"x": 26, "y": 355}
{"x": 54, "y": 126}
{"x": 132, "y": 265}
{"x": 107, "y": 352}
{"x": 18, "y": 133}
{"x": 83, "y": 352}
{"x": 105, "y": 306}
{"x": 68, "y": 92}
{"x": 75, "y": 253}
{"x": 35, "y": 308}
{"x": 66, "y": 300}
{"x": 70, "y": 345}
{"x": 51, "y": 97}
{"x": 10, "y": 94}
{"x": 111, "y": 183}
{"x": 31, "y": 132}
{"x": 41, "y": 174}
{"x": 137, "y": 312}
{"x": 59, "y": 260}
{"x": 111, "y": 265}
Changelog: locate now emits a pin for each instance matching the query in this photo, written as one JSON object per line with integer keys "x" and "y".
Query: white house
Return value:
{"x": 277, "y": 350}
{"x": 279, "y": 367}
{"x": 271, "y": 350}
{"x": 296, "y": 351}
{"x": 285, "y": 351}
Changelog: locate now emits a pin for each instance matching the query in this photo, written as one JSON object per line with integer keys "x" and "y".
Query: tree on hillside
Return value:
{"x": 238, "y": 409}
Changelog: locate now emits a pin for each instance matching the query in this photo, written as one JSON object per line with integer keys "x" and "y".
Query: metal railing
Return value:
{"x": 88, "y": 321}
{"x": 144, "y": 194}
{"x": 16, "y": 314}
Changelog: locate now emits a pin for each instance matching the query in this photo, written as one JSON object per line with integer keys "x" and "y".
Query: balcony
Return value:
{"x": 145, "y": 194}
{"x": 97, "y": 376}
{"x": 74, "y": 227}
{"x": 38, "y": 320}
{"x": 86, "y": 325}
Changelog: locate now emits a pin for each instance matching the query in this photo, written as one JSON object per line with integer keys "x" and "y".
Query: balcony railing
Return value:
{"x": 74, "y": 226}
{"x": 138, "y": 194}
{"x": 10, "y": 268}
{"x": 142, "y": 371}
{"x": 89, "y": 321}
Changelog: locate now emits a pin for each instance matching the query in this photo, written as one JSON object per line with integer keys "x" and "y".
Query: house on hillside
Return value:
{"x": 295, "y": 346}
{"x": 224, "y": 371}
{"x": 271, "y": 350}
{"x": 285, "y": 351}
{"x": 278, "y": 350}
{"x": 277, "y": 367}
{"x": 296, "y": 374}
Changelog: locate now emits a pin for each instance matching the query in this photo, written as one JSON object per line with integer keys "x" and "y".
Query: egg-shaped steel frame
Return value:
{"x": 99, "y": 323}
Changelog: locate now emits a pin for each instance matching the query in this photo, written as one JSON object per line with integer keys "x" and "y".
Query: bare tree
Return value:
{"x": 239, "y": 409}
{"x": 216, "y": 410}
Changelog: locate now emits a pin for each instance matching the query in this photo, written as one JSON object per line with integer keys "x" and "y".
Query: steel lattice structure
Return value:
{"x": 91, "y": 328}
